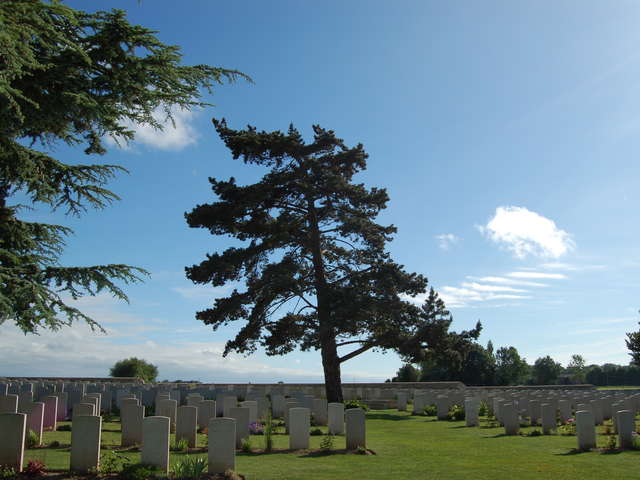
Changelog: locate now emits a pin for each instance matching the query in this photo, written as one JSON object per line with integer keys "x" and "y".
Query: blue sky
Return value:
{"x": 505, "y": 132}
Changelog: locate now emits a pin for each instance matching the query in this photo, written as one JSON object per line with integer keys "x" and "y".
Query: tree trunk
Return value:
{"x": 331, "y": 365}
{"x": 329, "y": 350}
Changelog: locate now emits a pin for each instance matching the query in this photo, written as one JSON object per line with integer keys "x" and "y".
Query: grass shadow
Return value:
{"x": 573, "y": 451}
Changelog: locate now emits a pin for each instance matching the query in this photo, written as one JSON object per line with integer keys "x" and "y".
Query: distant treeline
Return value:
{"x": 478, "y": 365}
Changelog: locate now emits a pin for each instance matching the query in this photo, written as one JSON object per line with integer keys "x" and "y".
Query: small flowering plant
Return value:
{"x": 568, "y": 427}
{"x": 256, "y": 429}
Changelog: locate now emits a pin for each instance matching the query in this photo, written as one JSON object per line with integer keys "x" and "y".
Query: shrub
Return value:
{"x": 430, "y": 410}
{"x": 112, "y": 462}
{"x": 612, "y": 443}
{"x": 181, "y": 445}
{"x": 137, "y": 471}
{"x": 456, "y": 413}
{"x": 31, "y": 439}
{"x": 54, "y": 444}
{"x": 327, "y": 443}
{"x": 34, "y": 468}
{"x": 7, "y": 473}
{"x": 194, "y": 467}
{"x": 64, "y": 428}
{"x": 256, "y": 429}
{"x": 568, "y": 428}
{"x": 315, "y": 431}
{"x": 245, "y": 445}
{"x": 484, "y": 410}
{"x": 356, "y": 404}
{"x": 361, "y": 450}
{"x": 534, "y": 433}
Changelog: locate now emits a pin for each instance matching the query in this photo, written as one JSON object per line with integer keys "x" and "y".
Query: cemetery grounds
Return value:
{"x": 405, "y": 446}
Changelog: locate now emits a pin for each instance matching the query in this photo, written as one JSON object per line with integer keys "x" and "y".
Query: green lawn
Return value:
{"x": 623, "y": 387}
{"x": 412, "y": 447}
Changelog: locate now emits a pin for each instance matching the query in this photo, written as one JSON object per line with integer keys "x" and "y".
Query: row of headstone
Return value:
{"x": 85, "y": 442}
{"x": 544, "y": 409}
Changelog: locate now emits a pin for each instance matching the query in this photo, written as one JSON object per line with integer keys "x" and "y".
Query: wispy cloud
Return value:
{"x": 490, "y": 288}
{"x": 462, "y": 296}
{"x": 508, "y": 281}
{"x": 525, "y": 233}
{"x": 447, "y": 240}
{"x": 174, "y": 136}
{"x": 570, "y": 267}
{"x": 538, "y": 275}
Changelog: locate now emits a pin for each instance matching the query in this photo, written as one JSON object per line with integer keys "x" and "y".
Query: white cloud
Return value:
{"x": 463, "y": 296}
{"x": 174, "y": 136}
{"x": 490, "y": 288}
{"x": 446, "y": 240}
{"x": 527, "y": 233}
{"x": 77, "y": 351}
{"x": 469, "y": 293}
{"x": 508, "y": 281}
{"x": 538, "y": 275}
{"x": 570, "y": 267}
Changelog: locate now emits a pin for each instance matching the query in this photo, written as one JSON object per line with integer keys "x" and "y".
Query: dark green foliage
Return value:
{"x": 456, "y": 413}
{"x": 471, "y": 364}
{"x": 7, "y": 473}
{"x": 313, "y": 264}
{"x": 63, "y": 428}
{"x": 356, "y": 404}
{"x": 633, "y": 344}
{"x": 610, "y": 374}
{"x": 545, "y": 371}
{"x": 135, "y": 367}
{"x": 54, "y": 444}
{"x": 430, "y": 410}
{"x": 315, "y": 432}
{"x": 138, "y": 471}
{"x": 511, "y": 369}
{"x": 112, "y": 462}
{"x": 70, "y": 77}
{"x": 407, "y": 373}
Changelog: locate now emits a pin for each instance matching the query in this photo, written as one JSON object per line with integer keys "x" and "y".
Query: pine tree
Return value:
{"x": 71, "y": 77}
{"x": 315, "y": 271}
{"x": 633, "y": 344}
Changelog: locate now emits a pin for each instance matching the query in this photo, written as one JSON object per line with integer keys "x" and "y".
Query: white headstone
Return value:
{"x": 222, "y": 445}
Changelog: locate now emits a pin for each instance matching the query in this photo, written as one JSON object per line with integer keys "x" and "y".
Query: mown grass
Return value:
{"x": 622, "y": 387}
{"x": 407, "y": 447}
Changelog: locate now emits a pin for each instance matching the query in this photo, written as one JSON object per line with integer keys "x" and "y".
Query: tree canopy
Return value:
{"x": 312, "y": 264}
{"x": 135, "y": 367}
{"x": 72, "y": 77}
{"x": 511, "y": 369}
{"x": 633, "y": 344}
{"x": 545, "y": 371}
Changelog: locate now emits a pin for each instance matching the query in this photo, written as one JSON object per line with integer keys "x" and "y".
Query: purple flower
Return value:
{"x": 256, "y": 429}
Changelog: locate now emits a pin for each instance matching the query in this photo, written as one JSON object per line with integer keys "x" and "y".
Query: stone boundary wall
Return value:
{"x": 76, "y": 379}
{"x": 586, "y": 386}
